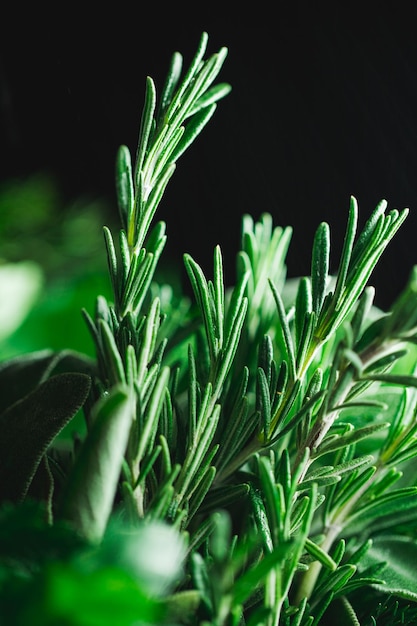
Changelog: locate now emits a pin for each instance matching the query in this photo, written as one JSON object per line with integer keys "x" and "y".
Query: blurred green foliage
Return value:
{"x": 52, "y": 263}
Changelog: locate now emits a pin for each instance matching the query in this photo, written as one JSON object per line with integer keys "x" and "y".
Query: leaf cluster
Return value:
{"x": 247, "y": 457}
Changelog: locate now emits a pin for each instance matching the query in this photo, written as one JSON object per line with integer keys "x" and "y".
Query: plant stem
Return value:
{"x": 333, "y": 530}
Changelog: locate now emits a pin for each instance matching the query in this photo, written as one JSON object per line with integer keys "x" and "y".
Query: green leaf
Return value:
{"x": 347, "y": 249}
{"x": 171, "y": 82}
{"x": 364, "y": 240}
{"x": 201, "y": 292}
{"x": 124, "y": 185}
{"x": 336, "y": 442}
{"x": 400, "y": 556}
{"x": 29, "y": 426}
{"x": 320, "y": 266}
{"x": 211, "y": 96}
{"x": 390, "y": 505}
{"x": 152, "y": 412}
{"x": 403, "y": 380}
{"x": 114, "y": 365}
{"x": 105, "y": 596}
{"x": 263, "y": 399}
{"x": 303, "y": 304}
{"x": 112, "y": 262}
{"x": 320, "y": 555}
{"x": 192, "y": 130}
{"x": 284, "y": 338}
{"x": 20, "y": 375}
{"x": 145, "y": 129}
{"x": 249, "y": 581}
{"x": 88, "y": 497}
{"x": 189, "y": 76}
{"x": 341, "y": 468}
{"x": 335, "y": 581}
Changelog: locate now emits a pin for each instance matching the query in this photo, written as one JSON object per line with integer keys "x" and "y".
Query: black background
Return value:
{"x": 324, "y": 105}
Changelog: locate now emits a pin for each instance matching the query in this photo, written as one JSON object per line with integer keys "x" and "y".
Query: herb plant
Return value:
{"x": 244, "y": 458}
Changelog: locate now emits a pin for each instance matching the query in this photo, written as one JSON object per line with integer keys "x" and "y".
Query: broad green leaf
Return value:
{"x": 29, "y": 426}
{"x": 88, "y": 497}
{"x": 400, "y": 556}
{"x": 22, "y": 374}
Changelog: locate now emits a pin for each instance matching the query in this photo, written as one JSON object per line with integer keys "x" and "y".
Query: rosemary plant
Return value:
{"x": 248, "y": 456}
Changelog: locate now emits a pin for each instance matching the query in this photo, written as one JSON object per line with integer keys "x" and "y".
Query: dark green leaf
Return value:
{"x": 30, "y": 425}
{"x": 20, "y": 375}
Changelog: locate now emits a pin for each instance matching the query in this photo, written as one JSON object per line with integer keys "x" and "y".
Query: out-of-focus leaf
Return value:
{"x": 27, "y": 541}
{"x": 64, "y": 594}
{"x": 153, "y": 553}
{"x": 20, "y": 284}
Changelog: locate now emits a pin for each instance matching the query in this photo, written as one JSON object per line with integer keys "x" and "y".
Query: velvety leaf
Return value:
{"x": 89, "y": 495}
{"x": 41, "y": 488}
{"x": 400, "y": 574}
{"x": 29, "y": 426}
{"x": 21, "y": 375}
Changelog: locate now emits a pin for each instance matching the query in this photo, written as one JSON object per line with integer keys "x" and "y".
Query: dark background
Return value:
{"x": 324, "y": 105}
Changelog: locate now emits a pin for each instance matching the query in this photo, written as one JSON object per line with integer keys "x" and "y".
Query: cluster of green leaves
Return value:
{"x": 264, "y": 435}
